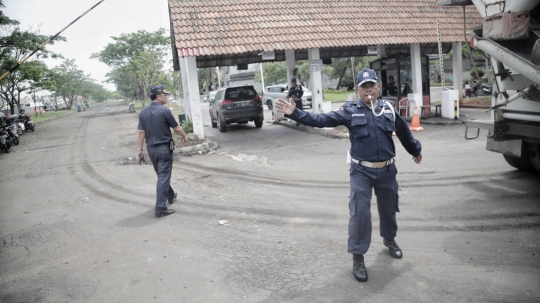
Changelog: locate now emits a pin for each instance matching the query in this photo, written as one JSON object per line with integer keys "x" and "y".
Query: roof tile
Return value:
{"x": 217, "y": 27}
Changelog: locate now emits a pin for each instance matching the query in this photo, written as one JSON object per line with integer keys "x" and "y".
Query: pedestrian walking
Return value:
{"x": 371, "y": 122}
{"x": 155, "y": 123}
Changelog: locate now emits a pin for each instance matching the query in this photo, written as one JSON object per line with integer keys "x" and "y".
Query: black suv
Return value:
{"x": 237, "y": 104}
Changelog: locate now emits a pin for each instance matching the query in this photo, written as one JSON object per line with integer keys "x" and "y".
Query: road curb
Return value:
{"x": 56, "y": 117}
{"x": 199, "y": 149}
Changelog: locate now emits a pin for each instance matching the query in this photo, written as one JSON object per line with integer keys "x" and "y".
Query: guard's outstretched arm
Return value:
{"x": 331, "y": 119}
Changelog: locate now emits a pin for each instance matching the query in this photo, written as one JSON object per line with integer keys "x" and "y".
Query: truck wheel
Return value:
{"x": 534, "y": 155}
{"x": 523, "y": 162}
{"x": 513, "y": 161}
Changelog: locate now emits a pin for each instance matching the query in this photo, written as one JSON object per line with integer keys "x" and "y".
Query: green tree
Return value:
{"x": 274, "y": 73}
{"x": 137, "y": 61}
{"x": 69, "y": 81}
{"x": 17, "y": 45}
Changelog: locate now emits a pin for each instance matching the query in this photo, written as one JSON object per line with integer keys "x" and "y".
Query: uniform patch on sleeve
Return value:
{"x": 358, "y": 115}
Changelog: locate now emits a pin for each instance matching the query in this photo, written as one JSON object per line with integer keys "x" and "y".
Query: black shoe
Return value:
{"x": 164, "y": 213}
{"x": 172, "y": 201}
{"x": 359, "y": 268}
{"x": 394, "y": 249}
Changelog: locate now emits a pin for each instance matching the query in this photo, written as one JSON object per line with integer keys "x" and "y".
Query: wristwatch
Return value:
{"x": 140, "y": 149}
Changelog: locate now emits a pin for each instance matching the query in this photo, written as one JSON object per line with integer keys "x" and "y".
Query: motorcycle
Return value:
{"x": 27, "y": 122}
{"x": 131, "y": 107}
{"x": 11, "y": 128}
{"x": 468, "y": 91}
{"x": 5, "y": 142}
{"x": 482, "y": 89}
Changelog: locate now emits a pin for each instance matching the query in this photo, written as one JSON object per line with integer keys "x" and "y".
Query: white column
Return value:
{"x": 416, "y": 68}
{"x": 316, "y": 82}
{"x": 194, "y": 98}
{"x": 457, "y": 69}
{"x": 382, "y": 52}
{"x": 290, "y": 60}
{"x": 185, "y": 87}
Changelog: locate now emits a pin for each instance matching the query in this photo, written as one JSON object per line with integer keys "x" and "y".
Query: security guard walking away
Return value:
{"x": 155, "y": 123}
{"x": 296, "y": 92}
{"x": 370, "y": 121}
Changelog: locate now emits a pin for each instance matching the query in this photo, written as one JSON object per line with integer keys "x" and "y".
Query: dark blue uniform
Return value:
{"x": 371, "y": 140}
{"x": 156, "y": 120}
{"x": 296, "y": 93}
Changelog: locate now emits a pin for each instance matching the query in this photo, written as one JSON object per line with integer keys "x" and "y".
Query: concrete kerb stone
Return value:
{"x": 55, "y": 117}
{"x": 199, "y": 149}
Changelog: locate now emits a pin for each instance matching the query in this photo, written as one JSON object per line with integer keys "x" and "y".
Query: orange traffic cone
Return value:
{"x": 415, "y": 124}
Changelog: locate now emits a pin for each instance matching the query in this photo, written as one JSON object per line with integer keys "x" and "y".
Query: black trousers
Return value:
{"x": 363, "y": 181}
{"x": 299, "y": 104}
{"x": 162, "y": 160}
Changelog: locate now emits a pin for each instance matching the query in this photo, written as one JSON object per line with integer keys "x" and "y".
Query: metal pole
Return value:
{"x": 46, "y": 42}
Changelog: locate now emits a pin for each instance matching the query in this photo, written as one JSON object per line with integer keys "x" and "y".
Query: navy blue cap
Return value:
{"x": 293, "y": 79}
{"x": 366, "y": 75}
{"x": 158, "y": 90}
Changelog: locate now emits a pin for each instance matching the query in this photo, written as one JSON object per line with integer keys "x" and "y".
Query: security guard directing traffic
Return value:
{"x": 296, "y": 92}
{"x": 372, "y": 162}
{"x": 155, "y": 123}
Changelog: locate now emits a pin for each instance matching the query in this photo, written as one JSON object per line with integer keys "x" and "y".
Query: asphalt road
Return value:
{"x": 77, "y": 223}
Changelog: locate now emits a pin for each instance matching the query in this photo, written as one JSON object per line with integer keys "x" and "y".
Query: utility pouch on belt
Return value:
{"x": 171, "y": 145}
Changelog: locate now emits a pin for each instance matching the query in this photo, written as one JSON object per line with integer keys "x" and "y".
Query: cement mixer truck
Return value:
{"x": 510, "y": 36}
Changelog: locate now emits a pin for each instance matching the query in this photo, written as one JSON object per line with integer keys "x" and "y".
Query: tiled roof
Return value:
{"x": 221, "y": 27}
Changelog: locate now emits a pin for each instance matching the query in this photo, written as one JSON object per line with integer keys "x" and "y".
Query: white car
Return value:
{"x": 280, "y": 91}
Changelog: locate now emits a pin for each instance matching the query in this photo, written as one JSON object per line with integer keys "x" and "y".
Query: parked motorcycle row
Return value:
{"x": 477, "y": 90}
{"x": 12, "y": 127}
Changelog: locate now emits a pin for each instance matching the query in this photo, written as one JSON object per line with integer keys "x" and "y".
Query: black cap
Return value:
{"x": 366, "y": 75}
{"x": 158, "y": 90}
{"x": 293, "y": 79}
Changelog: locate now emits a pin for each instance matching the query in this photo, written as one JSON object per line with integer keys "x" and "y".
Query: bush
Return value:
{"x": 478, "y": 70}
{"x": 187, "y": 126}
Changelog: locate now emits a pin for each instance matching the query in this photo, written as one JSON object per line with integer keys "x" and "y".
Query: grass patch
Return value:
{"x": 337, "y": 96}
{"x": 49, "y": 115}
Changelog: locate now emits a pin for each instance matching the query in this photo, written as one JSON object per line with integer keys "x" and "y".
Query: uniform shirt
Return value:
{"x": 391, "y": 89}
{"x": 156, "y": 120}
{"x": 370, "y": 136}
{"x": 297, "y": 92}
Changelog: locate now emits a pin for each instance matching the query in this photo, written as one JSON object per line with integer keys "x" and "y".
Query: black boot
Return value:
{"x": 393, "y": 248}
{"x": 359, "y": 268}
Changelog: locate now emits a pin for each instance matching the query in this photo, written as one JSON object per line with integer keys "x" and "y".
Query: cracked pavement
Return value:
{"x": 77, "y": 225}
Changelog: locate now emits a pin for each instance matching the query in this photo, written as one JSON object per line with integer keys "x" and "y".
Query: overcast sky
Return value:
{"x": 92, "y": 32}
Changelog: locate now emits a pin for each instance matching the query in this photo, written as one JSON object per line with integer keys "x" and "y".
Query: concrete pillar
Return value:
{"x": 290, "y": 60}
{"x": 194, "y": 97}
{"x": 315, "y": 80}
{"x": 381, "y": 53}
{"x": 185, "y": 87}
{"x": 416, "y": 68}
{"x": 457, "y": 69}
